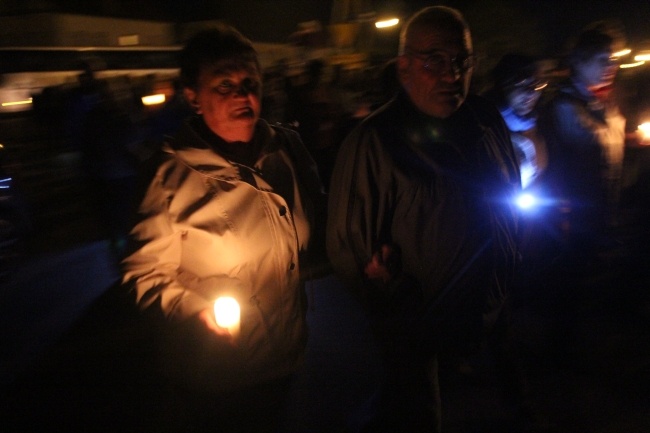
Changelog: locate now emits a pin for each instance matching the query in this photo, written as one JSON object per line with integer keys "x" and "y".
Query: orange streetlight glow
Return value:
{"x": 387, "y": 23}
{"x": 156, "y": 99}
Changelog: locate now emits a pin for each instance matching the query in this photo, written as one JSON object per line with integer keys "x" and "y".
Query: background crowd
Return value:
{"x": 411, "y": 154}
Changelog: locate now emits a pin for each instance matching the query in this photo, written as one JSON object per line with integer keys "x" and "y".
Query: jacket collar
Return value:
{"x": 461, "y": 127}
{"x": 191, "y": 148}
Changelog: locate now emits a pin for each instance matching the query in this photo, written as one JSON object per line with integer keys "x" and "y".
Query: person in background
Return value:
{"x": 420, "y": 218}
{"x": 585, "y": 132}
{"x": 516, "y": 91}
{"x": 315, "y": 110}
{"x": 229, "y": 213}
{"x": 100, "y": 127}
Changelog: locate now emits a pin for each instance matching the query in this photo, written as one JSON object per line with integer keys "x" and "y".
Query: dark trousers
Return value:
{"x": 257, "y": 409}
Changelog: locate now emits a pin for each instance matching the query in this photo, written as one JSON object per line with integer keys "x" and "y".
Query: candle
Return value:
{"x": 226, "y": 312}
{"x": 644, "y": 133}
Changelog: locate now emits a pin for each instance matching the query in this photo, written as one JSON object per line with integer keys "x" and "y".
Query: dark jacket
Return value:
{"x": 586, "y": 140}
{"x": 441, "y": 191}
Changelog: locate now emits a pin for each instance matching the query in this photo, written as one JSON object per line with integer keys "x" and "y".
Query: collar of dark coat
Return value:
{"x": 585, "y": 101}
{"x": 476, "y": 130}
{"x": 463, "y": 127}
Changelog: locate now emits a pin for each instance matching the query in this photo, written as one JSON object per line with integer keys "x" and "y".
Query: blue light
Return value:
{"x": 526, "y": 201}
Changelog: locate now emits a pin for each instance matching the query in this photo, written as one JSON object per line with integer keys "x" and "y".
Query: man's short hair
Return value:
{"x": 592, "y": 40}
{"x": 221, "y": 46}
{"x": 433, "y": 17}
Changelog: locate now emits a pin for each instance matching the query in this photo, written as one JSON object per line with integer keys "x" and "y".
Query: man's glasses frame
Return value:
{"x": 439, "y": 62}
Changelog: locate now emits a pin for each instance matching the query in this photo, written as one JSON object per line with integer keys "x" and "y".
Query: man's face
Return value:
{"x": 598, "y": 71}
{"x": 228, "y": 100}
{"x": 435, "y": 70}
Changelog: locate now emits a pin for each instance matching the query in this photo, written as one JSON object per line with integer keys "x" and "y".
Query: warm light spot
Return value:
{"x": 23, "y": 102}
{"x": 387, "y": 23}
{"x": 156, "y": 99}
{"x": 631, "y": 65}
{"x": 644, "y": 130}
{"x": 226, "y": 312}
{"x": 623, "y": 52}
{"x": 642, "y": 57}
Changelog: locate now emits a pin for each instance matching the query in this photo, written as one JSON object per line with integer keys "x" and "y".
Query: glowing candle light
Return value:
{"x": 644, "y": 132}
{"x": 226, "y": 311}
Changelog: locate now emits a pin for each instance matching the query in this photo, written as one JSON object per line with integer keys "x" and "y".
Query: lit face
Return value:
{"x": 228, "y": 100}
{"x": 435, "y": 70}
{"x": 523, "y": 97}
{"x": 598, "y": 71}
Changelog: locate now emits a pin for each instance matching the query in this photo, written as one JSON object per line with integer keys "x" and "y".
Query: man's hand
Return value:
{"x": 207, "y": 318}
{"x": 384, "y": 265}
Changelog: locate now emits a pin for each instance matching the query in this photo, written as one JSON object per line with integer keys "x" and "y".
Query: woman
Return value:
{"x": 517, "y": 90}
{"x": 228, "y": 213}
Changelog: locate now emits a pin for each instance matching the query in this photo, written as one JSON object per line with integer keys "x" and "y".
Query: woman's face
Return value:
{"x": 523, "y": 97}
{"x": 229, "y": 101}
{"x": 597, "y": 71}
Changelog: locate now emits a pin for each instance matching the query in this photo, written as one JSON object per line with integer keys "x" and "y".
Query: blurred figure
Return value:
{"x": 314, "y": 109}
{"x": 517, "y": 90}
{"x": 388, "y": 84}
{"x": 421, "y": 223}
{"x": 229, "y": 213}
{"x": 15, "y": 220}
{"x": 586, "y": 136}
{"x": 102, "y": 130}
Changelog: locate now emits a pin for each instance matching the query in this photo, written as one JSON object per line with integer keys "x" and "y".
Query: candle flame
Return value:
{"x": 226, "y": 312}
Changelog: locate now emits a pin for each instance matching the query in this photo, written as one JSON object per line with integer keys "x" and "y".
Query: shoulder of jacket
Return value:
{"x": 284, "y": 129}
{"x": 485, "y": 109}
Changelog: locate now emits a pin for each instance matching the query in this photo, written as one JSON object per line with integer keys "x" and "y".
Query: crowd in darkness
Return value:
{"x": 119, "y": 138}
{"x": 398, "y": 179}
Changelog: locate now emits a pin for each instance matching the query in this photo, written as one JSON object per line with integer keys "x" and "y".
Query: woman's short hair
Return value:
{"x": 220, "y": 46}
{"x": 513, "y": 69}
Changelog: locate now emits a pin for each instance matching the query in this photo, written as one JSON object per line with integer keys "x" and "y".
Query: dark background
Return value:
{"x": 539, "y": 25}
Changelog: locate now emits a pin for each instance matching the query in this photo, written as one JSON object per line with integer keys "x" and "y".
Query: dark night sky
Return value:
{"x": 274, "y": 20}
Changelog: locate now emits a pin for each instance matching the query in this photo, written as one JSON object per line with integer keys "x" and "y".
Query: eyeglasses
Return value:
{"x": 247, "y": 86}
{"x": 439, "y": 62}
{"x": 530, "y": 85}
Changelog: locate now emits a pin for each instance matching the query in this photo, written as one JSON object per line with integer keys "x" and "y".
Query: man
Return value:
{"x": 228, "y": 213}
{"x": 586, "y": 135}
{"x": 420, "y": 220}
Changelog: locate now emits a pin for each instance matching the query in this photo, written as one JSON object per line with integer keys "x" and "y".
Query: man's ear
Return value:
{"x": 191, "y": 98}
{"x": 402, "y": 67}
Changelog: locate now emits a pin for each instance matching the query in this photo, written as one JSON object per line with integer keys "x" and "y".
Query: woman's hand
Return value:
{"x": 207, "y": 318}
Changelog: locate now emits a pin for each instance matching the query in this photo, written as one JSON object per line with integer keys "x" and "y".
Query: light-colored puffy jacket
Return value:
{"x": 211, "y": 228}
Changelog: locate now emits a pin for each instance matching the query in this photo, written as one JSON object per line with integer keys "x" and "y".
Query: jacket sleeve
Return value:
{"x": 571, "y": 126}
{"x": 356, "y": 220}
{"x": 153, "y": 272}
